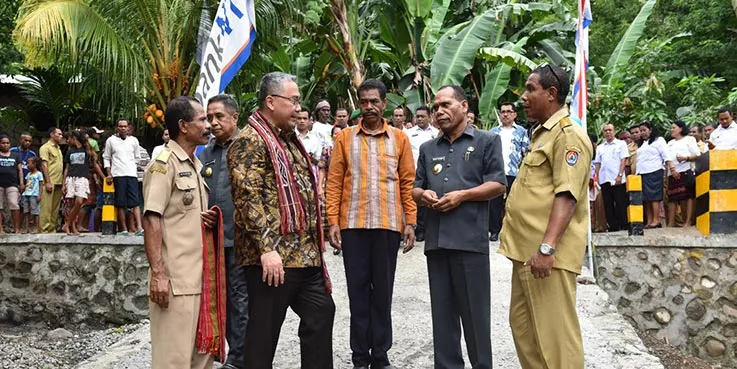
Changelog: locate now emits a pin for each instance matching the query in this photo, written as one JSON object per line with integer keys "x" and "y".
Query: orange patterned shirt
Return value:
{"x": 370, "y": 180}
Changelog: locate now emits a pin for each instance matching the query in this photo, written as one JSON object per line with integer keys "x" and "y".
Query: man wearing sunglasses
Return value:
{"x": 544, "y": 229}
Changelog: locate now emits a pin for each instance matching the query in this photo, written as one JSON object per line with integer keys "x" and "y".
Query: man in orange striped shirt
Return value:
{"x": 371, "y": 211}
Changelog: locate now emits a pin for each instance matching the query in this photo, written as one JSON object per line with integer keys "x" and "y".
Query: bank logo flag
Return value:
{"x": 228, "y": 47}
{"x": 580, "y": 83}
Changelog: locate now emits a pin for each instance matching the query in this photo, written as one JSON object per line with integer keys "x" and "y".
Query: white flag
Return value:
{"x": 228, "y": 47}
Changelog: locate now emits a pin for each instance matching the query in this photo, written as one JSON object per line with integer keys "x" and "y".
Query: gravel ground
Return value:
{"x": 28, "y": 347}
{"x": 609, "y": 341}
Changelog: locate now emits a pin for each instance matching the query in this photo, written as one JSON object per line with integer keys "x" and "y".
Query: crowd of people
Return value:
{"x": 288, "y": 182}
{"x": 235, "y": 220}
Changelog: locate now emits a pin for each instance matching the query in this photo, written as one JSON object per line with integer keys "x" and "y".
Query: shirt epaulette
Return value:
{"x": 163, "y": 156}
{"x": 566, "y": 122}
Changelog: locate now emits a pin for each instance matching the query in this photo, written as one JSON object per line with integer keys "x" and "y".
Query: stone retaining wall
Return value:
{"x": 682, "y": 289}
{"x": 72, "y": 279}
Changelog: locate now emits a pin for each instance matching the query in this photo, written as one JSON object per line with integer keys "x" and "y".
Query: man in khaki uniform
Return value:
{"x": 176, "y": 206}
{"x": 52, "y": 169}
{"x": 544, "y": 230}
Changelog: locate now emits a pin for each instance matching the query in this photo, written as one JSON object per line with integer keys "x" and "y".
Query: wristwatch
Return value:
{"x": 546, "y": 249}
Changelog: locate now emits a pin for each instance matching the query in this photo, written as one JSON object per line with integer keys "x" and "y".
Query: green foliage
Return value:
{"x": 626, "y": 46}
{"x": 10, "y": 58}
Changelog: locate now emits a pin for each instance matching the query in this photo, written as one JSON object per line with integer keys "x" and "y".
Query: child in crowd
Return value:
{"x": 32, "y": 195}
{"x": 79, "y": 158}
{"x": 11, "y": 183}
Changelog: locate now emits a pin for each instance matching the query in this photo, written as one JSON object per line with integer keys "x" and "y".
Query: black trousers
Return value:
{"x": 615, "y": 205}
{"x": 496, "y": 209}
{"x": 237, "y": 309}
{"x": 370, "y": 259}
{"x": 304, "y": 291}
{"x": 460, "y": 293}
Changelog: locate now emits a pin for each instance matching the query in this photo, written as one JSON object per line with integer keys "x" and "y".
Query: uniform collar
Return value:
{"x": 553, "y": 120}
{"x": 470, "y": 131}
{"x": 382, "y": 130}
{"x": 178, "y": 151}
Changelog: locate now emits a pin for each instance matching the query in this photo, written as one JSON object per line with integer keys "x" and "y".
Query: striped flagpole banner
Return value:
{"x": 228, "y": 47}
{"x": 580, "y": 83}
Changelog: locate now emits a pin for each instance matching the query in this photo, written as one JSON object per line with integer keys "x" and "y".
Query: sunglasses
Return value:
{"x": 543, "y": 65}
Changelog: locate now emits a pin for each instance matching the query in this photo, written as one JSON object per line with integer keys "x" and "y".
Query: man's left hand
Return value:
{"x": 541, "y": 265}
{"x": 209, "y": 218}
{"x": 408, "y": 238}
{"x": 449, "y": 201}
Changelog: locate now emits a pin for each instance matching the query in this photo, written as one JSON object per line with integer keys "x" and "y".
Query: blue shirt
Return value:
{"x": 514, "y": 150}
{"x": 33, "y": 184}
{"x": 24, "y": 156}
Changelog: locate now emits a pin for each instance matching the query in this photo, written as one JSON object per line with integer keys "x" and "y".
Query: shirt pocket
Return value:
{"x": 392, "y": 163}
{"x": 535, "y": 168}
{"x": 187, "y": 195}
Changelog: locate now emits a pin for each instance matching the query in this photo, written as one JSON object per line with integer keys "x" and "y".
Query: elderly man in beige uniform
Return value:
{"x": 176, "y": 206}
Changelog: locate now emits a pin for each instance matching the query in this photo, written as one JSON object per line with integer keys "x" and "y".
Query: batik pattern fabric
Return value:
{"x": 521, "y": 142}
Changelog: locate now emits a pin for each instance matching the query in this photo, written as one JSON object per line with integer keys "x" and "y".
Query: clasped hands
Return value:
{"x": 448, "y": 202}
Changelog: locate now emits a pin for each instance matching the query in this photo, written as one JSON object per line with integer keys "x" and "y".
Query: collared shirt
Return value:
{"x": 256, "y": 200}
{"x": 214, "y": 157}
{"x": 51, "y": 154}
{"x": 24, "y": 156}
{"x": 471, "y": 160}
{"x": 121, "y": 156}
{"x": 173, "y": 188}
{"x": 609, "y": 155}
{"x": 370, "y": 179}
{"x": 651, "y": 157}
{"x": 313, "y": 143}
{"x": 515, "y": 144}
{"x": 559, "y": 161}
{"x": 725, "y": 138}
{"x": 418, "y": 136}
{"x": 323, "y": 131}
{"x": 686, "y": 146}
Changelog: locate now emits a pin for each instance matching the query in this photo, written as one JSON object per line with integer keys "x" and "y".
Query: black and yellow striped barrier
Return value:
{"x": 634, "y": 209}
{"x": 716, "y": 192}
{"x": 109, "y": 215}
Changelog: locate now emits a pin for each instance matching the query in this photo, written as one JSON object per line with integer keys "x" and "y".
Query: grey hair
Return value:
{"x": 227, "y": 100}
{"x": 271, "y": 83}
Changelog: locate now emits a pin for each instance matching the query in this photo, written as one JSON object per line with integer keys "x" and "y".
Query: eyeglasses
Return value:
{"x": 543, "y": 65}
{"x": 296, "y": 100}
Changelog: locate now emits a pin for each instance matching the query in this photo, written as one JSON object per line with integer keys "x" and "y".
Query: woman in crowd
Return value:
{"x": 650, "y": 159}
{"x": 697, "y": 132}
{"x": 78, "y": 160}
{"x": 11, "y": 183}
{"x": 681, "y": 190}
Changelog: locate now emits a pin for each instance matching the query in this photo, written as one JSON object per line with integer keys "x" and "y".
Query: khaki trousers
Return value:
{"x": 173, "y": 332}
{"x": 542, "y": 314}
{"x": 50, "y": 203}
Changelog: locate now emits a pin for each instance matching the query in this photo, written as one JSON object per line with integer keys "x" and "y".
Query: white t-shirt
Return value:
{"x": 313, "y": 144}
{"x": 686, "y": 146}
{"x": 650, "y": 157}
{"x": 322, "y": 131}
{"x": 121, "y": 156}
{"x": 724, "y": 138}
{"x": 418, "y": 136}
{"x": 507, "y": 137}
{"x": 609, "y": 155}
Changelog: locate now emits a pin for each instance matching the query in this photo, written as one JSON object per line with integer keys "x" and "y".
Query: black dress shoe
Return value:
{"x": 382, "y": 367}
{"x": 420, "y": 238}
{"x": 494, "y": 237}
{"x": 360, "y": 367}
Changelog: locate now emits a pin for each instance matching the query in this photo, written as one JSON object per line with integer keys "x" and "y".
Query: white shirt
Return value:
{"x": 506, "y": 134}
{"x": 322, "y": 131}
{"x": 418, "y": 136}
{"x": 157, "y": 150}
{"x": 686, "y": 146}
{"x": 650, "y": 157}
{"x": 724, "y": 138}
{"x": 121, "y": 156}
{"x": 312, "y": 143}
{"x": 609, "y": 155}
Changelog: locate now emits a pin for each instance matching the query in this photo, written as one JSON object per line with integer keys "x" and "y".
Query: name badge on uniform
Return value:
{"x": 469, "y": 150}
{"x": 437, "y": 168}
{"x": 188, "y": 197}
{"x": 185, "y": 174}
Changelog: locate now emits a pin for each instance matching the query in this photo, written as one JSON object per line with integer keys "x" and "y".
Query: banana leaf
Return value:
{"x": 497, "y": 82}
{"x": 628, "y": 43}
